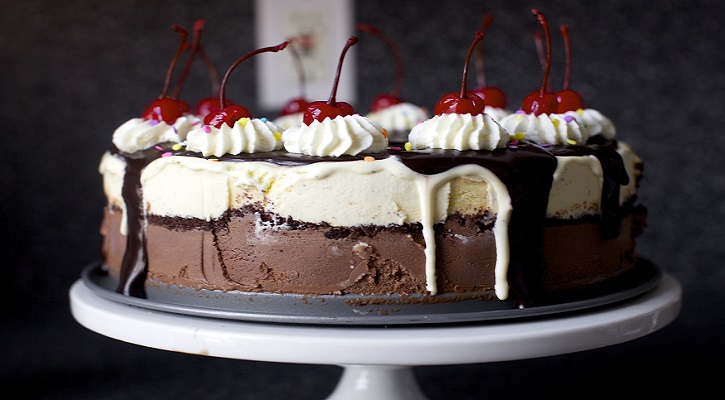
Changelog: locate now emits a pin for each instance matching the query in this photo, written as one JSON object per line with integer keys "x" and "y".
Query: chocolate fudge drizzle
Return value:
{"x": 526, "y": 170}
{"x": 134, "y": 266}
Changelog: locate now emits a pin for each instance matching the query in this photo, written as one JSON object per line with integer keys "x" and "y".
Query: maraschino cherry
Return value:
{"x": 491, "y": 95}
{"x": 168, "y": 109}
{"x": 542, "y": 101}
{"x": 319, "y": 110}
{"x": 233, "y": 113}
{"x": 463, "y": 102}
{"x": 386, "y": 100}
{"x": 568, "y": 99}
{"x": 297, "y": 104}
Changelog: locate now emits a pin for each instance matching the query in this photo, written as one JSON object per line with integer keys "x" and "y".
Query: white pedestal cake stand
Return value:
{"x": 378, "y": 361}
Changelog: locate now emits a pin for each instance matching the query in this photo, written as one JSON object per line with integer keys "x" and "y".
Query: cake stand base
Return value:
{"x": 378, "y": 361}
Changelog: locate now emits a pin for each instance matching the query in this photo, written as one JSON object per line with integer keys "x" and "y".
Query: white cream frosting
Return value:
{"x": 247, "y": 135}
{"x": 632, "y": 164}
{"x": 140, "y": 134}
{"x": 546, "y": 128}
{"x": 348, "y": 135}
{"x": 458, "y": 132}
{"x": 399, "y": 117}
{"x": 288, "y": 121}
{"x": 496, "y": 113}
{"x": 113, "y": 169}
{"x": 594, "y": 122}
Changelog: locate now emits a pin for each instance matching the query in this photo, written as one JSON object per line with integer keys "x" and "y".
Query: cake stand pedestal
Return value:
{"x": 378, "y": 361}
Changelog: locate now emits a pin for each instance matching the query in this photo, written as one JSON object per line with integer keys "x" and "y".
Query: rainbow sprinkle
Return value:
{"x": 408, "y": 146}
{"x": 206, "y": 128}
{"x": 176, "y": 147}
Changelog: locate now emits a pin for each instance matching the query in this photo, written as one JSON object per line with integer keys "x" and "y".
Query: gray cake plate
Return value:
{"x": 358, "y": 310}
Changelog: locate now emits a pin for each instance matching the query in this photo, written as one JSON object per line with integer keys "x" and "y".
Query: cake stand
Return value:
{"x": 378, "y": 361}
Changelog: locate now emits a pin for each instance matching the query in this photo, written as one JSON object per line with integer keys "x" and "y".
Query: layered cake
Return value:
{"x": 469, "y": 207}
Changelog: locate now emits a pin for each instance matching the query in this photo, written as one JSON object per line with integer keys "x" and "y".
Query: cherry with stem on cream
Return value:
{"x": 232, "y": 113}
{"x": 491, "y": 95}
{"x": 568, "y": 99}
{"x": 542, "y": 101}
{"x": 386, "y": 100}
{"x": 319, "y": 110}
{"x": 168, "y": 109}
{"x": 297, "y": 104}
{"x": 463, "y": 102}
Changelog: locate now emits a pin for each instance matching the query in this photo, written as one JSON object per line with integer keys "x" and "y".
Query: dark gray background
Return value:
{"x": 72, "y": 71}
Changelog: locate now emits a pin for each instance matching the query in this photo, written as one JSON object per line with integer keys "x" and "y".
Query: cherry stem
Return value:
{"x": 399, "y": 70}
{"x": 480, "y": 70}
{"x": 352, "y": 40}
{"x": 542, "y": 21}
{"x": 567, "y": 46}
{"x": 540, "y": 52}
{"x": 198, "y": 28}
{"x": 184, "y": 34}
{"x": 478, "y": 38}
{"x": 213, "y": 72}
{"x": 299, "y": 67}
{"x": 222, "y": 97}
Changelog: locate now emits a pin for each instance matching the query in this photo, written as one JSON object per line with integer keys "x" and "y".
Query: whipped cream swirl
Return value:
{"x": 545, "y": 128}
{"x": 288, "y": 121}
{"x": 458, "y": 132}
{"x": 399, "y": 117}
{"x": 496, "y": 113}
{"x": 594, "y": 122}
{"x": 350, "y": 135}
{"x": 247, "y": 135}
{"x": 140, "y": 134}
